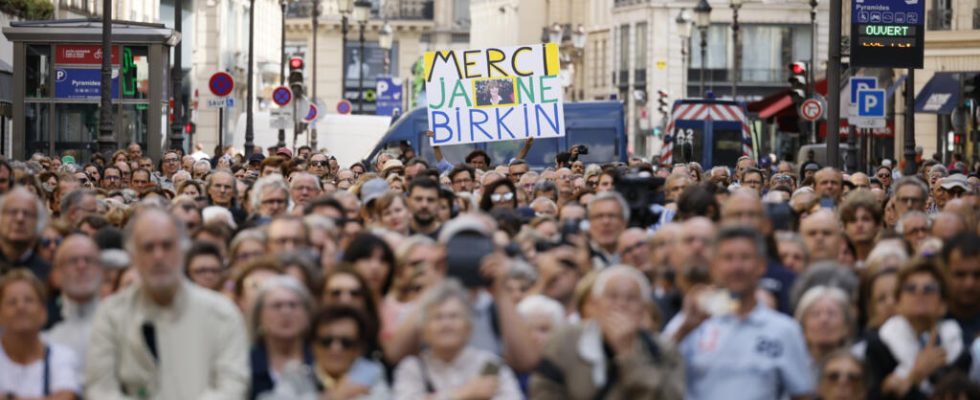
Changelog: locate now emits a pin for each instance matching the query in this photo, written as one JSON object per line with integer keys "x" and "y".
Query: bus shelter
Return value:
{"x": 57, "y": 85}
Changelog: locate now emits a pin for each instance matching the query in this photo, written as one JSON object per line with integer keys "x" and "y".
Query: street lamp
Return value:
{"x": 578, "y": 38}
{"x": 385, "y": 38}
{"x": 281, "y": 142}
{"x": 316, "y": 27}
{"x": 555, "y": 33}
{"x": 344, "y": 7}
{"x": 735, "y": 4}
{"x": 703, "y": 14}
{"x": 362, "y": 11}
{"x": 684, "y": 25}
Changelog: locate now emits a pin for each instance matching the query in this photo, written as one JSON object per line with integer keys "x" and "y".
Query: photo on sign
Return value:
{"x": 494, "y": 92}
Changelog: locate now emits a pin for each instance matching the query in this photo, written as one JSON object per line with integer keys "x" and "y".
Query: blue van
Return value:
{"x": 709, "y": 132}
{"x": 600, "y": 125}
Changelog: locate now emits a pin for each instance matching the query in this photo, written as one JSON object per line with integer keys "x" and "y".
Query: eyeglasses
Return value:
{"x": 842, "y": 377}
{"x": 170, "y": 160}
{"x": 319, "y": 163}
{"x": 499, "y": 197}
{"x": 926, "y": 289}
{"x": 208, "y": 271}
{"x": 273, "y": 201}
{"x": 883, "y": 176}
{"x": 111, "y": 178}
{"x": 909, "y": 200}
{"x": 285, "y": 305}
{"x": 45, "y": 242}
{"x": 328, "y": 341}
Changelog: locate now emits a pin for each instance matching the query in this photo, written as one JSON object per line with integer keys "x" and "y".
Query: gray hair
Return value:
{"x": 234, "y": 181}
{"x": 272, "y": 283}
{"x": 940, "y": 169}
{"x": 824, "y": 273}
{"x": 448, "y": 290}
{"x": 292, "y": 179}
{"x": 255, "y": 234}
{"x": 795, "y": 238}
{"x": 840, "y": 298}
{"x": 542, "y": 304}
{"x": 202, "y": 162}
{"x": 265, "y": 183}
{"x": 611, "y": 195}
{"x": 520, "y": 269}
{"x": 315, "y": 221}
{"x": 42, "y": 210}
{"x": 914, "y": 181}
{"x": 602, "y": 279}
{"x": 73, "y": 199}
{"x": 183, "y": 240}
{"x": 900, "y": 226}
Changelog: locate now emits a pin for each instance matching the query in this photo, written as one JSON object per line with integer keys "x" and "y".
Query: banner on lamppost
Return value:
{"x": 494, "y": 94}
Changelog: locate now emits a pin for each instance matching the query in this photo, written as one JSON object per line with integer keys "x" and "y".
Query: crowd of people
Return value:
{"x": 290, "y": 276}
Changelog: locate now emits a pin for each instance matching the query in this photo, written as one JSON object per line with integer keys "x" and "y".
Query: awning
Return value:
{"x": 940, "y": 95}
{"x": 776, "y": 107}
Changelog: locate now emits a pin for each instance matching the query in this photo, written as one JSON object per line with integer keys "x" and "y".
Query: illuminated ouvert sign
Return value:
{"x": 887, "y": 33}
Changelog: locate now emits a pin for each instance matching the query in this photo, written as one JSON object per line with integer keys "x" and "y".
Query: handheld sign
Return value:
{"x": 494, "y": 94}
{"x": 221, "y": 84}
{"x": 282, "y": 95}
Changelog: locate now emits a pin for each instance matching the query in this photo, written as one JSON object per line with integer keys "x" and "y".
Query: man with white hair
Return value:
{"x": 80, "y": 277}
{"x": 743, "y": 332}
{"x": 303, "y": 187}
{"x": 164, "y": 337}
{"x": 22, "y": 218}
{"x": 578, "y": 360}
{"x": 201, "y": 169}
{"x": 270, "y": 197}
{"x": 544, "y": 207}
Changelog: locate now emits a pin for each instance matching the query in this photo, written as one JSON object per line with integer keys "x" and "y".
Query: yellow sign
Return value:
{"x": 661, "y": 65}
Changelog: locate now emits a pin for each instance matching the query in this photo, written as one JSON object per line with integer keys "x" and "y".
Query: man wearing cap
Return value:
{"x": 79, "y": 275}
{"x": 951, "y": 187}
{"x": 255, "y": 162}
{"x": 285, "y": 152}
{"x": 370, "y": 191}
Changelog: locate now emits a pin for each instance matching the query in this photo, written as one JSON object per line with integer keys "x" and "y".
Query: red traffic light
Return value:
{"x": 296, "y": 63}
{"x": 662, "y": 93}
{"x": 187, "y": 128}
{"x": 798, "y": 68}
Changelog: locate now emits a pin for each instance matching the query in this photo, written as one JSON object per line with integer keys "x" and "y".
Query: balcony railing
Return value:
{"x": 392, "y": 9}
{"x": 940, "y": 19}
{"x": 624, "y": 3}
{"x": 754, "y": 76}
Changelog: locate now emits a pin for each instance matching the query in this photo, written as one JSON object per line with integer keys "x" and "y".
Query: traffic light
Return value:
{"x": 662, "y": 106}
{"x": 797, "y": 80}
{"x": 971, "y": 87}
{"x": 296, "y": 76}
{"x": 190, "y": 128}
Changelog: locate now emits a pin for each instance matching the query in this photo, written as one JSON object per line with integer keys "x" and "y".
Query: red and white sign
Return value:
{"x": 82, "y": 54}
{"x": 811, "y": 109}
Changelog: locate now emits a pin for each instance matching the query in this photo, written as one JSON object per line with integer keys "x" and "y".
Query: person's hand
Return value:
{"x": 694, "y": 315}
{"x": 619, "y": 329}
{"x": 529, "y": 140}
{"x": 494, "y": 267}
{"x": 896, "y": 386}
{"x": 929, "y": 359}
{"x": 479, "y": 388}
{"x": 430, "y": 134}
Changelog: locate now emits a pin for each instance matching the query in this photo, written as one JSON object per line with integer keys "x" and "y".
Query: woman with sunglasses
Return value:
{"x": 499, "y": 194}
{"x": 917, "y": 347}
{"x": 51, "y": 237}
{"x": 280, "y": 324}
{"x": 341, "y": 368}
{"x": 842, "y": 377}
{"x": 344, "y": 286}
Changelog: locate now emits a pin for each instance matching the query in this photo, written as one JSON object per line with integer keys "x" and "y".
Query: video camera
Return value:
{"x": 643, "y": 193}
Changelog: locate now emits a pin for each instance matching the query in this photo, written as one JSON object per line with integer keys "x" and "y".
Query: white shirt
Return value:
{"x": 447, "y": 377}
{"x": 74, "y": 328}
{"x": 28, "y": 380}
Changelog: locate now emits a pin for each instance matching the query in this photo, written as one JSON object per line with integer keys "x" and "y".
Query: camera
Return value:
{"x": 641, "y": 192}
{"x": 582, "y": 149}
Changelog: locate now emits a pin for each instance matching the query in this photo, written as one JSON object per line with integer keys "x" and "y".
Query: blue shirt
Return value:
{"x": 761, "y": 357}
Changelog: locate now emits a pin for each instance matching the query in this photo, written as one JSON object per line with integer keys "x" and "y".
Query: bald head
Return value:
{"x": 697, "y": 235}
{"x": 744, "y": 208}
{"x": 79, "y": 269}
{"x": 821, "y": 232}
{"x": 828, "y": 183}
{"x": 947, "y": 225}
{"x": 860, "y": 180}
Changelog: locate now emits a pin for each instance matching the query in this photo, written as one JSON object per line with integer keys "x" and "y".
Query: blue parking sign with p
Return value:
{"x": 871, "y": 103}
{"x": 859, "y": 83}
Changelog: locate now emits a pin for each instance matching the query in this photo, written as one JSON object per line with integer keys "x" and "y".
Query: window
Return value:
{"x": 716, "y": 49}
{"x": 624, "y": 55}
{"x": 728, "y": 146}
{"x": 941, "y": 15}
{"x": 38, "y": 70}
{"x": 640, "y": 54}
{"x": 767, "y": 49}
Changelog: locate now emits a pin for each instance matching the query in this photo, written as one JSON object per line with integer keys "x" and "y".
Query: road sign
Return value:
{"x": 344, "y": 107}
{"x": 811, "y": 109}
{"x": 282, "y": 96}
{"x": 311, "y": 113}
{"x": 871, "y": 103}
{"x": 221, "y": 84}
{"x": 887, "y": 33}
{"x": 219, "y": 102}
{"x": 855, "y": 84}
{"x": 870, "y": 109}
{"x": 389, "y": 95}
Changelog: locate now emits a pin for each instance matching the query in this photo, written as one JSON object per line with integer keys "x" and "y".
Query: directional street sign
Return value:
{"x": 811, "y": 109}
{"x": 870, "y": 109}
{"x": 282, "y": 96}
{"x": 221, "y": 84}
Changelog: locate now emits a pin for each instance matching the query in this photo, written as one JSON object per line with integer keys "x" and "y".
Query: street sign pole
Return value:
{"x": 833, "y": 85}
{"x": 221, "y": 129}
{"x": 910, "y": 166}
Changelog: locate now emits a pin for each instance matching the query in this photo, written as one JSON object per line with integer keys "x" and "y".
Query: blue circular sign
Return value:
{"x": 282, "y": 95}
{"x": 221, "y": 84}
{"x": 344, "y": 107}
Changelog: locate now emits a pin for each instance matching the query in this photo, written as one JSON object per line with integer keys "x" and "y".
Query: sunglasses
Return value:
{"x": 842, "y": 377}
{"x": 336, "y": 293}
{"x": 45, "y": 242}
{"x": 498, "y": 197}
{"x": 927, "y": 288}
{"x": 319, "y": 163}
{"x": 328, "y": 341}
